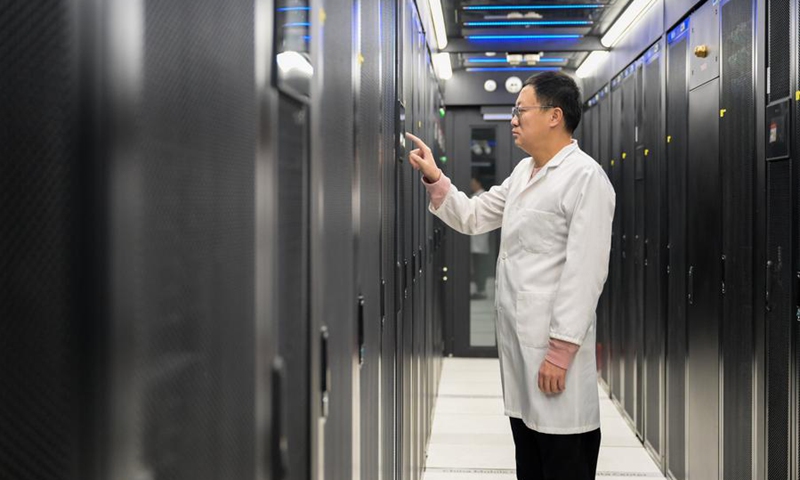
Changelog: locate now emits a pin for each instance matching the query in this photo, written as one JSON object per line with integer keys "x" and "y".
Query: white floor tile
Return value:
{"x": 470, "y": 456}
{"x": 471, "y": 389}
{"x": 497, "y": 439}
{"x": 626, "y": 460}
{"x": 466, "y": 406}
{"x": 466, "y": 424}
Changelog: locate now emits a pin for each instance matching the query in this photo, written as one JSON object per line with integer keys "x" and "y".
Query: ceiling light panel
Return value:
{"x": 529, "y": 23}
{"x": 569, "y": 6}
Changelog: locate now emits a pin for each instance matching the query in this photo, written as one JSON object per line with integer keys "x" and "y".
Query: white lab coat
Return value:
{"x": 553, "y": 262}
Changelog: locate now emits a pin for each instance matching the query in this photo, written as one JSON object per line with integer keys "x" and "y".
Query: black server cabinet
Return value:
{"x": 46, "y": 298}
{"x": 293, "y": 329}
{"x": 390, "y": 152}
{"x": 368, "y": 241}
{"x": 605, "y": 308}
{"x": 334, "y": 297}
{"x": 639, "y": 210}
{"x": 737, "y": 162}
{"x": 616, "y": 264}
{"x": 654, "y": 249}
{"x": 677, "y": 106}
{"x": 128, "y": 256}
{"x": 780, "y": 268}
{"x": 703, "y": 281}
{"x": 779, "y": 315}
{"x": 631, "y": 348}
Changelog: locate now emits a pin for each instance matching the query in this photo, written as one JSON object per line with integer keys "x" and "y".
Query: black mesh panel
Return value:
{"x": 293, "y": 319}
{"x": 387, "y": 154}
{"x": 616, "y": 264}
{"x": 738, "y": 154}
{"x": 182, "y": 248}
{"x": 778, "y": 318}
{"x": 654, "y": 301}
{"x": 39, "y": 246}
{"x": 779, "y": 48}
{"x": 677, "y": 113}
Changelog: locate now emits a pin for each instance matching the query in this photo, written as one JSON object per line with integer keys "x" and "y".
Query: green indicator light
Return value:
{"x": 443, "y": 159}
{"x": 441, "y": 112}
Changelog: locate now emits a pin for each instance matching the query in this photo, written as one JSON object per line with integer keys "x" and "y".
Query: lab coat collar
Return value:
{"x": 554, "y": 162}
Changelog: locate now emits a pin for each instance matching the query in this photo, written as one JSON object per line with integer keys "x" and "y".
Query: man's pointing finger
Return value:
{"x": 419, "y": 142}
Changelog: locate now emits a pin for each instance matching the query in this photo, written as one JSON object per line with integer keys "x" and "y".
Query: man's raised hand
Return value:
{"x": 421, "y": 158}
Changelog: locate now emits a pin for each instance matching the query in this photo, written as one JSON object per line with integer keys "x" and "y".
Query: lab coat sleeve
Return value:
{"x": 591, "y": 204}
{"x": 476, "y": 215}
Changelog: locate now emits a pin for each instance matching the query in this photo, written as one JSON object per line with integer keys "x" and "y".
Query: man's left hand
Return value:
{"x": 552, "y": 379}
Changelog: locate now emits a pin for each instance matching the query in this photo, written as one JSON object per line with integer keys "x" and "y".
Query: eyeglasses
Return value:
{"x": 515, "y": 111}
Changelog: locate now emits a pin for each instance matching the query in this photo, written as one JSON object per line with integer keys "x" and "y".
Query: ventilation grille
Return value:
{"x": 738, "y": 157}
{"x": 779, "y": 318}
{"x": 677, "y": 112}
{"x": 779, "y": 48}
{"x": 187, "y": 217}
{"x": 39, "y": 243}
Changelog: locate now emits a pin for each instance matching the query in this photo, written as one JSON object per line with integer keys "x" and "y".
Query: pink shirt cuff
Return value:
{"x": 561, "y": 353}
{"x": 437, "y": 190}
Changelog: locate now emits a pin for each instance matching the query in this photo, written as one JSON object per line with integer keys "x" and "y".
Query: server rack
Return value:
{"x": 780, "y": 267}
{"x": 654, "y": 247}
{"x": 632, "y": 318}
{"x": 618, "y": 254}
{"x": 677, "y": 106}
{"x": 605, "y": 316}
{"x": 737, "y": 158}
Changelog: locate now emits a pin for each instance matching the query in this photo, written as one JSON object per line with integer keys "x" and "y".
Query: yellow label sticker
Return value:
{"x": 797, "y": 95}
{"x": 646, "y": 152}
{"x": 360, "y": 59}
{"x": 722, "y": 113}
{"x": 322, "y": 15}
{"x": 612, "y": 163}
{"x": 669, "y": 138}
{"x": 624, "y": 155}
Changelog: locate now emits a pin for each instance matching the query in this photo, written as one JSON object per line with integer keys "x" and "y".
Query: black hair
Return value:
{"x": 559, "y": 90}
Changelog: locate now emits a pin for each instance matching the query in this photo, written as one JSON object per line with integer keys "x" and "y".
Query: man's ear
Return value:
{"x": 556, "y": 116}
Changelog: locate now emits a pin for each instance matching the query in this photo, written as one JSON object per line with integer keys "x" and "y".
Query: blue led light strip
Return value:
{"x": 503, "y": 60}
{"x": 524, "y": 37}
{"x": 528, "y": 23}
{"x": 532, "y": 7}
{"x": 513, "y": 69}
{"x": 297, "y": 24}
{"x": 294, "y": 9}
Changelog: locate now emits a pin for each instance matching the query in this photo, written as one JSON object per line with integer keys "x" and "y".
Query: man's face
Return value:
{"x": 532, "y": 124}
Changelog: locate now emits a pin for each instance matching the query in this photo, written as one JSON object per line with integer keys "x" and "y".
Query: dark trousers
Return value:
{"x": 541, "y": 456}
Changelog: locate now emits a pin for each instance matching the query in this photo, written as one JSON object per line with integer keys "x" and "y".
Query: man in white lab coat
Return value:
{"x": 555, "y": 211}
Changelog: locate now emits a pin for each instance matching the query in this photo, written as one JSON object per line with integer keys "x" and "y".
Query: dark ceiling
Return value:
{"x": 529, "y": 34}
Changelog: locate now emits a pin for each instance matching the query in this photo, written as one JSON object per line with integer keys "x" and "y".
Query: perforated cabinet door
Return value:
{"x": 676, "y": 159}
{"x": 737, "y": 154}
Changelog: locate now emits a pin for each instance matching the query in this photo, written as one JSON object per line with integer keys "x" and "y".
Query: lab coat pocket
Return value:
{"x": 537, "y": 232}
{"x": 533, "y": 313}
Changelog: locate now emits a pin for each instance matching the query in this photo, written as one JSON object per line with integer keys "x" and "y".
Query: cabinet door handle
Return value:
{"x": 325, "y": 372}
{"x": 724, "y": 269}
{"x": 361, "y": 346}
{"x": 280, "y": 446}
{"x": 405, "y": 278}
{"x": 383, "y": 299}
{"x": 690, "y": 286}
{"x": 768, "y": 285}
